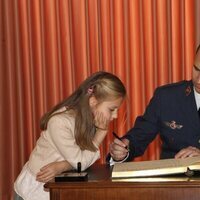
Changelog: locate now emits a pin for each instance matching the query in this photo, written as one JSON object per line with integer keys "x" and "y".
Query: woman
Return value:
{"x": 71, "y": 132}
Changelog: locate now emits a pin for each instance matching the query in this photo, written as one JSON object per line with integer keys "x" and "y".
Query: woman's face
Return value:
{"x": 108, "y": 108}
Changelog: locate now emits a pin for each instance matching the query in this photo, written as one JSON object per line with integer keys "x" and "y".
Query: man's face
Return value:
{"x": 196, "y": 72}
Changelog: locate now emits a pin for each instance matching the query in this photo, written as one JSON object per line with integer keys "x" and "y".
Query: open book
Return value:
{"x": 156, "y": 167}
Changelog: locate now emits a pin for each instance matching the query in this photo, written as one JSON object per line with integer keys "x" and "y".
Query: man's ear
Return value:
{"x": 93, "y": 101}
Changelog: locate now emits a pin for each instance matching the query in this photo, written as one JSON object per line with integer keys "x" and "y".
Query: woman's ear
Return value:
{"x": 93, "y": 101}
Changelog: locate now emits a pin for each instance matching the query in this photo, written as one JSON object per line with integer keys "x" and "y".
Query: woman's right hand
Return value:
{"x": 50, "y": 170}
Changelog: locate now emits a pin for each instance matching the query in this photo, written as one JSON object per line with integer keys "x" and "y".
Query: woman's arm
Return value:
{"x": 61, "y": 133}
{"x": 101, "y": 124}
{"x": 50, "y": 170}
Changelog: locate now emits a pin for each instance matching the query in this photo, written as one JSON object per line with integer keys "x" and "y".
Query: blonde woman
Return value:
{"x": 71, "y": 132}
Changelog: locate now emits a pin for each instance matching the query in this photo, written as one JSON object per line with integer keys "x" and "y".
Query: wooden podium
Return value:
{"x": 100, "y": 186}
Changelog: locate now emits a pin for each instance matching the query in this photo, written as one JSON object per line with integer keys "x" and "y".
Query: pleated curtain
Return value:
{"x": 48, "y": 47}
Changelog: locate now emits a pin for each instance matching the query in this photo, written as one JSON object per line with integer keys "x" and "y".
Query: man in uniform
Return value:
{"x": 173, "y": 112}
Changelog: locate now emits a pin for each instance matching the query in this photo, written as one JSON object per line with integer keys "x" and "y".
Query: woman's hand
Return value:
{"x": 100, "y": 121}
{"x": 49, "y": 171}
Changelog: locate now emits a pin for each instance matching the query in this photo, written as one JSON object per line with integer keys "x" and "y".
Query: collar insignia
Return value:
{"x": 173, "y": 125}
{"x": 188, "y": 91}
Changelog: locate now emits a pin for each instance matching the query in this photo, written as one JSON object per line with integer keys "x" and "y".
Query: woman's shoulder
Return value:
{"x": 63, "y": 116}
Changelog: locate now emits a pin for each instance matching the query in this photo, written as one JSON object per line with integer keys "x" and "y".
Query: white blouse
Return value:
{"x": 28, "y": 188}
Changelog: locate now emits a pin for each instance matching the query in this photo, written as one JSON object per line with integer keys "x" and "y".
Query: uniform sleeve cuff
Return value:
{"x": 112, "y": 162}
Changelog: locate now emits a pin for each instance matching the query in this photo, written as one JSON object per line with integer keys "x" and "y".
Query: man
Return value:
{"x": 172, "y": 113}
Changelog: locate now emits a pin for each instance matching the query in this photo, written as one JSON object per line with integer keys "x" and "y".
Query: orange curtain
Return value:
{"x": 47, "y": 47}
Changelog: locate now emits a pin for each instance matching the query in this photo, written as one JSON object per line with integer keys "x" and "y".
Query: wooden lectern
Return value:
{"x": 100, "y": 186}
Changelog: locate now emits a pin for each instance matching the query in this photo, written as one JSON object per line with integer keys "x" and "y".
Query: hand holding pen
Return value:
{"x": 119, "y": 148}
{"x": 116, "y": 136}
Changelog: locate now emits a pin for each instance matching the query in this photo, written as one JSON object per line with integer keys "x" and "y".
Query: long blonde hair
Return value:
{"x": 102, "y": 85}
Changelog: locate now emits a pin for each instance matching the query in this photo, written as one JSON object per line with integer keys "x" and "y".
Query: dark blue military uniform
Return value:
{"x": 172, "y": 113}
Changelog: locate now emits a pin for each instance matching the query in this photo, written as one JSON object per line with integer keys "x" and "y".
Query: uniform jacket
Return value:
{"x": 172, "y": 113}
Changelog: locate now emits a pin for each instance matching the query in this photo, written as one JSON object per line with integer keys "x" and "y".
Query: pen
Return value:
{"x": 79, "y": 167}
{"x": 115, "y": 135}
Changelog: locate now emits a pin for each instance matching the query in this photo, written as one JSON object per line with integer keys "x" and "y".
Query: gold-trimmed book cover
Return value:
{"x": 156, "y": 167}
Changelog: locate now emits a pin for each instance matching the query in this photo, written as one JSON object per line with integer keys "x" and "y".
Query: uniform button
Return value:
{"x": 199, "y": 141}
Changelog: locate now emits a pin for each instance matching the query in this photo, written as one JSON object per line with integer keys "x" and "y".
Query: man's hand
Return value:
{"x": 188, "y": 152}
{"x": 118, "y": 149}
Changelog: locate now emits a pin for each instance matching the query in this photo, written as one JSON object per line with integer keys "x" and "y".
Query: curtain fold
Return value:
{"x": 48, "y": 47}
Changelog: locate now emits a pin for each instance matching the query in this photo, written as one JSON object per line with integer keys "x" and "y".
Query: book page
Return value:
{"x": 156, "y": 164}
{"x": 143, "y": 168}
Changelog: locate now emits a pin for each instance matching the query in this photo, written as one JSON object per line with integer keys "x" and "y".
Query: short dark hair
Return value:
{"x": 198, "y": 48}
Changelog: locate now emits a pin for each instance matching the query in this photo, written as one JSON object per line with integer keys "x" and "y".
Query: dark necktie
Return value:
{"x": 199, "y": 112}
